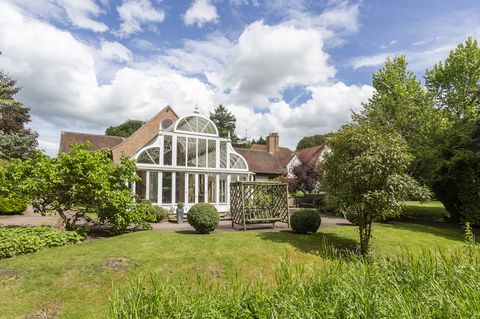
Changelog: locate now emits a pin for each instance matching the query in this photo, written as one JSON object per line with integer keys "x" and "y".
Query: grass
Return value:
{"x": 425, "y": 211}
{"x": 76, "y": 281}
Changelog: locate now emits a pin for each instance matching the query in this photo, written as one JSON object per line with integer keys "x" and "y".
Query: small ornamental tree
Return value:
{"x": 80, "y": 182}
{"x": 305, "y": 178}
{"x": 365, "y": 175}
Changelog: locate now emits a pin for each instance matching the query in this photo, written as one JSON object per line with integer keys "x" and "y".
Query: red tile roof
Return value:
{"x": 98, "y": 141}
{"x": 261, "y": 162}
{"x": 310, "y": 155}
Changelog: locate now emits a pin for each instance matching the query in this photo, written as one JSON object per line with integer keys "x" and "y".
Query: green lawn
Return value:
{"x": 425, "y": 211}
{"x": 76, "y": 281}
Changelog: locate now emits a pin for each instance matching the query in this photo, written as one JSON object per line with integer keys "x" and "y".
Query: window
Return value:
{"x": 223, "y": 154}
{"x": 223, "y": 188}
{"x": 201, "y": 188}
{"x": 140, "y": 186}
{"x": 180, "y": 187}
{"x": 237, "y": 162}
{"x": 191, "y": 188}
{"x": 181, "y": 148}
{"x": 192, "y": 152}
{"x": 153, "y": 187}
{"x": 211, "y": 188}
{"x": 167, "y": 188}
{"x": 167, "y": 150}
{"x": 212, "y": 153}
{"x": 149, "y": 156}
{"x": 202, "y": 152}
{"x": 197, "y": 124}
{"x": 166, "y": 123}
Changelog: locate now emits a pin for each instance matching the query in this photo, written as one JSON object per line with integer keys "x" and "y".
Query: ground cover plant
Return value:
{"x": 16, "y": 240}
{"x": 42, "y": 281}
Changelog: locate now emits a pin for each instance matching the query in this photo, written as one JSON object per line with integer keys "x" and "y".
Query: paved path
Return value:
{"x": 30, "y": 218}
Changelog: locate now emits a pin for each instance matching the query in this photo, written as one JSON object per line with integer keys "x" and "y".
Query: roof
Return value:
{"x": 98, "y": 141}
{"x": 310, "y": 155}
{"x": 261, "y": 162}
{"x": 259, "y": 147}
{"x": 284, "y": 155}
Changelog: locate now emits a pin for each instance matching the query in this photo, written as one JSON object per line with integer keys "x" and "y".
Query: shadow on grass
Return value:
{"x": 318, "y": 244}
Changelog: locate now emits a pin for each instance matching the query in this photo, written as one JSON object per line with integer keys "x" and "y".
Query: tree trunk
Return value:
{"x": 365, "y": 235}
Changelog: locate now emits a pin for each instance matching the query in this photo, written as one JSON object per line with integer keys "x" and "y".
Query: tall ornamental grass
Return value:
{"x": 429, "y": 285}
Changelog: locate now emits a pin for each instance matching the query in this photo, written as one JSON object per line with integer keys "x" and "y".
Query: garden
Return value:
{"x": 406, "y": 185}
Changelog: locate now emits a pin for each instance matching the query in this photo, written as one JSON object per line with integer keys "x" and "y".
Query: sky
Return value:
{"x": 298, "y": 68}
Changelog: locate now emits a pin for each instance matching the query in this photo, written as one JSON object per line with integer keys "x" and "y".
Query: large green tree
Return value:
{"x": 16, "y": 140}
{"x": 225, "y": 122}
{"x": 125, "y": 129}
{"x": 366, "y": 176}
{"x": 314, "y": 140}
{"x": 455, "y": 86}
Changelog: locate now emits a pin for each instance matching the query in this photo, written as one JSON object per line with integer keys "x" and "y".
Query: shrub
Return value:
{"x": 351, "y": 217}
{"x": 305, "y": 221}
{"x": 14, "y": 205}
{"x": 160, "y": 213}
{"x": 16, "y": 240}
{"x": 203, "y": 217}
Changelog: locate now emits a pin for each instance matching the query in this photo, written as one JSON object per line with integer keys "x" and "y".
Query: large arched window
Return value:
{"x": 237, "y": 162}
{"x": 196, "y": 124}
{"x": 149, "y": 156}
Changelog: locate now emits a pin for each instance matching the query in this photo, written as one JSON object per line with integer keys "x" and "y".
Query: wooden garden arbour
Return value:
{"x": 258, "y": 203}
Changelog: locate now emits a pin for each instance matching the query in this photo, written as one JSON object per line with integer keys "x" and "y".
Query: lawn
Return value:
{"x": 424, "y": 211}
{"x": 76, "y": 281}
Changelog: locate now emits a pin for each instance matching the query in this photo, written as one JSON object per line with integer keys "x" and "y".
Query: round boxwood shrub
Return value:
{"x": 203, "y": 217}
{"x": 13, "y": 205}
{"x": 305, "y": 221}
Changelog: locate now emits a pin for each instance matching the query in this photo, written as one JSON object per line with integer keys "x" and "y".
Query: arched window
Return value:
{"x": 149, "y": 156}
{"x": 197, "y": 124}
{"x": 237, "y": 162}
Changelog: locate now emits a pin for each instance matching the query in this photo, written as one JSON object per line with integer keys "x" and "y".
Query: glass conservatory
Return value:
{"x": 188, "y": 162}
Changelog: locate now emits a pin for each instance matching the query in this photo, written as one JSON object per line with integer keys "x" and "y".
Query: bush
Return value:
{"x": 203, "y": 217}
{"x": 16, "y": 240}
{"x": 160, "y": 213}
{"x": 351, "y": 217}
{"x": 305, "y": 221}
{"x": 13, "y": 205}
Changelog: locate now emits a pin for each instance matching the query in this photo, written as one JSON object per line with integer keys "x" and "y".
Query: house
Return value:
{"x": 183, "y": 159}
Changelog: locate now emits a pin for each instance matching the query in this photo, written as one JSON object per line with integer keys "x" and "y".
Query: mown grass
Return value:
{"x": 426, "y": 211}
{"x": 76, "y": 281}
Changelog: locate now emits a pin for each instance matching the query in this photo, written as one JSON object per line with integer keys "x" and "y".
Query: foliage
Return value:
{"x": 203, "y": 217}
{"x": 225, "y": 122}
{"x": 314, "y": 140}
{"x": 125, "y": 129}
{"x": 180, "y": 205}
{"x": 260, "y": 141}
{"x": 80, "y": 182}
{"x": 16, "y": 240}
{"x": 455, "y": 86}
{"x": 160, "y": 213}
{"x": 16, "y": 141}
{"x": 430, "y": 286}
{"x": 305, "y": 178}
{"x": 305, "y": 221}
{"x": 366, "y": 175}
{"x": 13, "y": 205}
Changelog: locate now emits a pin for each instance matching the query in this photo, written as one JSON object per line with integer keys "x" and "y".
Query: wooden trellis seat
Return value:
{"x": 259, "y": 203}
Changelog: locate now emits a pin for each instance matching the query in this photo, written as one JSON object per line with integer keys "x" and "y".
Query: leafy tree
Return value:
{"x": 16, "y": 141}
{"x": 80, "y": 182}
{"x": 305, "y": 178}
{"x": 260, "y": 141}
{"x": 366, "y": 176}
{"x": 455, "y": 86}
{"x": 314, "y": 140}
{"x": 225, "y": 122}
{"x": 125, "y": 129}
{"x": 400, "y": 104}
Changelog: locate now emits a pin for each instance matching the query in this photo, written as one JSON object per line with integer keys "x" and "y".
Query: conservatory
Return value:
{"x": 189, "y": 162}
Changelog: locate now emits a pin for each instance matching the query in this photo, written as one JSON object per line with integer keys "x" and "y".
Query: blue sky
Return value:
{"x": 293, "y": 67}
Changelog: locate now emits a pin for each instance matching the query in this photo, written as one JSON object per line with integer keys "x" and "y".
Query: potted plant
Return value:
{"x": 180, "y": 213}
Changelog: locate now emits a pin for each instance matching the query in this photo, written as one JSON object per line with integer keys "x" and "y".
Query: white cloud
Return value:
{"x": 115, "y": 51}
{"x": 200, "y": 13}
{"x": 370, "y": 60}
{"x": 135, "y": 13}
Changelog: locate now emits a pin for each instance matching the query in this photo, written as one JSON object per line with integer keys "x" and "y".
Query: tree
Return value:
{"x": 16, "y": 141}
{"x": 80, "y": 182}
{"x": 125, "y": 129}
{"x": 314, "y": 140}
{"x": 455, "y": 86}
{"x": 305, "y": 178}
{"x": 225, "y": 122}
{"x": 260, "y": 141}
{"x": 366, "y": 176}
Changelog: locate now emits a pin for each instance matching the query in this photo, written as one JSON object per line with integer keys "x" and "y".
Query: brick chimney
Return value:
{"x": 272, "y": 142}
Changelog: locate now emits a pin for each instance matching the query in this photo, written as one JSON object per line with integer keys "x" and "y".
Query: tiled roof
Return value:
{"x": 259, "y": 147}
{"x": 98, "y": 141}
{"x": 310, "y": 155}
{"x": 284, "y": 156}
{"x": 261, "y": 162}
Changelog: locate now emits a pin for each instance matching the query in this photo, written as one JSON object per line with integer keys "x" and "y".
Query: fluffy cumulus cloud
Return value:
{"x": 136, "y": 13}
{"x": 201, "y": 12}
{"x": 64, "y": 79}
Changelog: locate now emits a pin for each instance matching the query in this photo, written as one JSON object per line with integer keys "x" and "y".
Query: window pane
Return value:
{"x": 180, "y": 187}
{"x": 140, "y": 186}
{"x": 202, "y": 152}
{"x": 191, "y": 188}
{"x": 237, "y": 162}
{"x": 192, "y": 152}
{"x": 149, "y": 156}
{"x": 153, "y": 187}
{"x": 223, "y": 154}
{"x": 212, "y": 153}
{"x": 181, "y": 147}
{"x": 201, "y": 188}
{"x": 223, "y": 188}
{"x": 167, "y": 188}
{"x": 167, "y": 150}
{"x": 211, "y": 188}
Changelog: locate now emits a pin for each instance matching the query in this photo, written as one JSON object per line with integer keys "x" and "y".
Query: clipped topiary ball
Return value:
{"x": 203, "y": 217}
{"x": 305, "y": 221}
